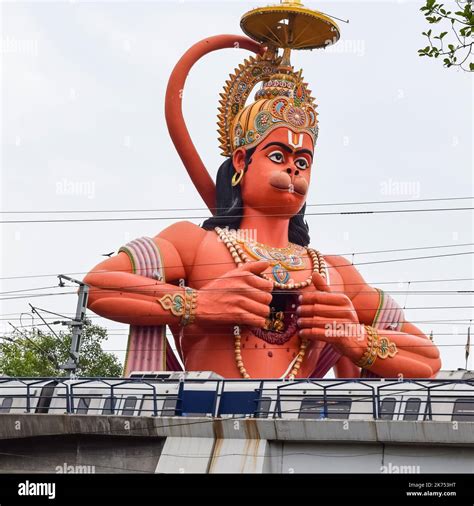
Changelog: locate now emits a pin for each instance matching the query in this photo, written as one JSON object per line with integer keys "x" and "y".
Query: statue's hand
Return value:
{"x": 325, "y": 315}
{"x": 238, "y": 297}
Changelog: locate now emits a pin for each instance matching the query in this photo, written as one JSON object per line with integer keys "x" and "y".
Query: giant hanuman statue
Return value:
{"x": 244, "y": 294}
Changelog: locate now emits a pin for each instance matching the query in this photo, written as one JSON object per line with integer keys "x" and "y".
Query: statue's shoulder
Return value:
{"x": 182, "y": 230}
{"x": 338, "y": 262}
{"x": 355, "y": 287}
{"x": 351, "y": 277}
{"x": 185, "y": 236}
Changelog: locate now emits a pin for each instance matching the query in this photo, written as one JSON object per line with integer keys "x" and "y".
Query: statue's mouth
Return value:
{"x": 280, "y": 330}
{"x": 290, "y": 188}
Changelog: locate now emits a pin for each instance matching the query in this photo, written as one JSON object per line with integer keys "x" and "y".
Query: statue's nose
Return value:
{"x": 292, "y": 173}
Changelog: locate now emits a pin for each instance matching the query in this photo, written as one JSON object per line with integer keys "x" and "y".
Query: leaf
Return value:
{"x": 430, "y": 3}
{"x": 451, "y": 48}
{"x": 471, "y": 67}
{"x": 442, "y": 34}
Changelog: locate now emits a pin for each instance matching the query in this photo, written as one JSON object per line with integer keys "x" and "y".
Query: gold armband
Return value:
{"x": 377, "y": 346}
{"x": 181, "y": 305}
{"x": 189, "y": 306}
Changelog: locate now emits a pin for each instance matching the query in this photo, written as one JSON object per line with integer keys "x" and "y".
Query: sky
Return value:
{"x": 83, "y": 129}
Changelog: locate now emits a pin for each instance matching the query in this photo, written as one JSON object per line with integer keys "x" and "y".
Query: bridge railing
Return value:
{"x": 416, "y": 399}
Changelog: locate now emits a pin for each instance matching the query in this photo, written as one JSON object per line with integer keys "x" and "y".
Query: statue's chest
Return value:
{"x": 214, "y": 260}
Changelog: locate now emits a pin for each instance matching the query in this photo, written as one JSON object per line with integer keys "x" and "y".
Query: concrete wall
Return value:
{"x": 45, "y": 443}
{"x": 80, "y": 454}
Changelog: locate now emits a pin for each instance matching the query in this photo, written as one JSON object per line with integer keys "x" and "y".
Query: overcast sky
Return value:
{"x": 82, "y": 128}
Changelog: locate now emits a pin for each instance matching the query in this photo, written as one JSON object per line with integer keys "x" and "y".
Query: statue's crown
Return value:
{"x": 282, "y": 100}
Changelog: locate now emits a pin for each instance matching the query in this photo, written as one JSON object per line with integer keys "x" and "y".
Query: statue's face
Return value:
{"x": 277, "y": 179}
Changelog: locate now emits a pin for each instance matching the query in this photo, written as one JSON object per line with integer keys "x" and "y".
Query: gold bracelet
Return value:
{"x": 181, "y": 305}
{"x": 370, "y": 354}
{"x": 377, "y": 346}
{"x": 190, "y": 298}
{"x": 174, "y": 303}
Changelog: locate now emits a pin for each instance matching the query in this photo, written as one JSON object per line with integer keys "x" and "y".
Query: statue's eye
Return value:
{"x": 301, "y": 163}
{"x": 276, "y": 156}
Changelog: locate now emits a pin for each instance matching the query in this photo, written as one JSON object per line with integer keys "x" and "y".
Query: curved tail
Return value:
{"x": 174, "y": 114}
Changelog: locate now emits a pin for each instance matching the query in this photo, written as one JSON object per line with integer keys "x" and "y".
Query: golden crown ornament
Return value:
{"x": 283, "y": 98}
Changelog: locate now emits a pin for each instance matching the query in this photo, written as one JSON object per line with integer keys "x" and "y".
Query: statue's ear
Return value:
{"x": 238, "y": 159}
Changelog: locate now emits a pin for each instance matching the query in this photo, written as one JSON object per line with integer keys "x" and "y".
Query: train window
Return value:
{"x": 463, "y": 410}
{"x": 129, "y": 406}
{"x": 337, "y": 408}
{"x": 83, "y": 405}
{"x": 109, "y": 406}
{"x": 263, "y": 407}
{"x": 45, "y": 397}
{"x": 169, "y": 407}
{"x": 412, "y": 409}
{"x": 387, "y": 408}
{"x": 6, "y": 404}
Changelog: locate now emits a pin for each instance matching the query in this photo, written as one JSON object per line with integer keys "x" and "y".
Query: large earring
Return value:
{"x": 237, "y": 177}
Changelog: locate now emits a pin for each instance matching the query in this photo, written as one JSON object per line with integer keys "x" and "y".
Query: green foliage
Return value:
{"x": 42, "y": 353}
{"x": 461, "y": 25}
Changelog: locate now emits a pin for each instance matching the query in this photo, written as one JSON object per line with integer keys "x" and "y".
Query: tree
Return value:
{"x": 457, "y": 47}
{"x": 41, "y": 354}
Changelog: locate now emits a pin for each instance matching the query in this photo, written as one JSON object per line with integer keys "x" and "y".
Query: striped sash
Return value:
{"x": 389, "y": 316}
{"x": 147, "y": 347}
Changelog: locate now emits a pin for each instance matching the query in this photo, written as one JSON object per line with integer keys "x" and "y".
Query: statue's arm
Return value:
{"x": 417, "y": 356}
{"x": 121, "y": 289}
{"x": 119, "y": 292}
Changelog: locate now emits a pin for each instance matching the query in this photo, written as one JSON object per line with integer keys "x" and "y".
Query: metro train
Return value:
{"x": 205, "y": 394}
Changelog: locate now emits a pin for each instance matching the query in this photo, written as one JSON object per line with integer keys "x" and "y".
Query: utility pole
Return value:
{"x": 77, "y": 324}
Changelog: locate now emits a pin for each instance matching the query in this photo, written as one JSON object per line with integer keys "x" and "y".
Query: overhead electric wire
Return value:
{"x": 50, "y": 357}
{"x": 457, "y": 321}
{"x": 270, "y": 348}
{"x": 231, "y": 262}
{"x": 154, "y": 218}
{"x": 370, "y": 202}
{"x": 329, "y": 267}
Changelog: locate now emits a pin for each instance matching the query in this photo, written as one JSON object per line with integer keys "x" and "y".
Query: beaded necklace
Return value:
{"x": 240, "y": 257}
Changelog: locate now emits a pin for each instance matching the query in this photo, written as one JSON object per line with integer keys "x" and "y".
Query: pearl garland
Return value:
{"x": 240, "y": 257}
